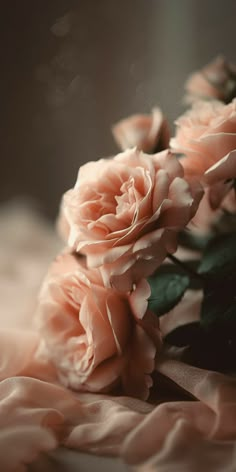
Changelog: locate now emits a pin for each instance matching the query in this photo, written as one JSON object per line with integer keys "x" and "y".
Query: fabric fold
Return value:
{"x": 188, "y": 424}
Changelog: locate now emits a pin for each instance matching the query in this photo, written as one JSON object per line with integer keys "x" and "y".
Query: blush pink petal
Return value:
{"x": 147, "y": 132}
{"x": 224, "y": 169}
{"x": 206, "y": 216}
{"x": 86, "y": 172}
{"x": 102, "y": 379}
{"x": 139, "y": 298}
{"x": 161, "y": 189}
{"x": 140, "y": 363}
{"x": 219, "y": 145}
{"x": 108, "y": 257}
{"x": 164, "y": 160}
{"x": 116, "y": 310}
{"x": 133, "y": 273}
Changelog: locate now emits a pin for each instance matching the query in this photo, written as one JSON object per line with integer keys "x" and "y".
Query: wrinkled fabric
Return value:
{"x": 189, "y": 423}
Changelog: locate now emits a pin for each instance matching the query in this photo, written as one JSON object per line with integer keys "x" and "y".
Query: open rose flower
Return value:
{"x": 206, "y": 135}
{"x": 216, "y": 80}
{"x": 124, "y": 213}
{"x": 97, "y": 337}
{"x": 150, "y": 133}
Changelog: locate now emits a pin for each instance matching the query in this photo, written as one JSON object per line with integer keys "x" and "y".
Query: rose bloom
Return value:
{"x": 97, "y": 338}
{"x": 148, "y": 132}
{"x": 216, "y": 80}
{"x": 124, "y": 213}
{"x": 206, "y": 135}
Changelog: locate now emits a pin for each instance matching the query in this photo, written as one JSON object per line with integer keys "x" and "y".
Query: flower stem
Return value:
{"x": 185, "y": 267}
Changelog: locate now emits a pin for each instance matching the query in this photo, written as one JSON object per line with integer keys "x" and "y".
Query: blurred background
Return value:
{"x": 71, "y": 69}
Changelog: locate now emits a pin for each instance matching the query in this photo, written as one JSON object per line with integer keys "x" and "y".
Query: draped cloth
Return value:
{"x": 189, "y": 423}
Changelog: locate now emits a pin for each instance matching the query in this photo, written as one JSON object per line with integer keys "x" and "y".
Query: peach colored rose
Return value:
{"x": 97, "y": 337}
{"x": 206, "y": 135}
{"x": 216, "y": 80}
{"x": 124, "y": 213}
{"x": 150, "y": 133}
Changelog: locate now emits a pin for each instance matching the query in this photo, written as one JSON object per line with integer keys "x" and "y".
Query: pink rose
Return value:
{"x": 206, "y": 135}
{"x": 148, "y": 132}
{"x": 97, "y": 338}
{"x": 124, "y": 213}
{"x": 217, "y": 80}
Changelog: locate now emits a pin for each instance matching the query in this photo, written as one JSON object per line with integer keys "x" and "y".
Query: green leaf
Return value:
{"x": 219, "y": 256}
{"x": 167, "y": 289}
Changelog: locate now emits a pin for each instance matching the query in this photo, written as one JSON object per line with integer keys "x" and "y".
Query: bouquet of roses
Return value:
{"x": 150, "y": 253}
